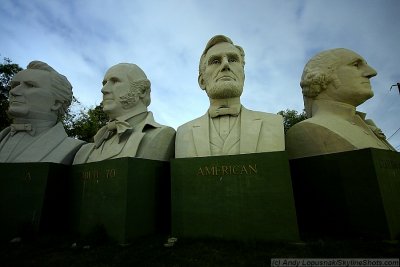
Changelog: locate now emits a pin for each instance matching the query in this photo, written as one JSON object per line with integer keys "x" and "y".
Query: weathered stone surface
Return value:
{"x": 33, "y": 199}
{"x": 127, "y": 197}
{"x": 242, "y": 197}
{"x": 355, "y": 193}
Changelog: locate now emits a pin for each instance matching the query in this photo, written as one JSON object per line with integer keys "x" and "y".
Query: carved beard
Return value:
{"x": 129, "y": 99}
{"x": 225, "y": 89}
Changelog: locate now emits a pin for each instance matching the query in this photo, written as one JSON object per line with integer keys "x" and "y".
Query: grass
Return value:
{"x": 150, "y": 251}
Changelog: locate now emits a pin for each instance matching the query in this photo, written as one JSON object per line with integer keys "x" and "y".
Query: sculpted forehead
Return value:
{"x": 31, "y": 75}
{"x": 346, "y": 55}
{"x": 333, "y": 57}
{"x": 122, "y": 70}
{"x": 222, "y": 48}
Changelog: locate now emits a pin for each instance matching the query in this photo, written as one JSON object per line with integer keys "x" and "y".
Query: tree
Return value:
{"x": 7, "y": 71}
{"x": 84, "y": 125}
{"x": 291, "y": 117}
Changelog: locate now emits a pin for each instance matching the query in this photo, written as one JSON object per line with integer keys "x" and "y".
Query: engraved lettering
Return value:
{"x": 224, "y": 170}
{"x": 235, "y": 169}
{"x": 110, "y": 173}
{"x": 217, "y": 170}
{"x": 243, "y": 170}
{"x": 207, "y": 171}
{"x": 253, "y": 168}
{"x": 200, "y": 172}
{"x": 90, "y": 174}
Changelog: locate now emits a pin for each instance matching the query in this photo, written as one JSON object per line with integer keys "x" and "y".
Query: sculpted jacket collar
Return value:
{"x": 250, "y": 127}
{"x": 39, "y": 149}
{"x": 126, "y": 148}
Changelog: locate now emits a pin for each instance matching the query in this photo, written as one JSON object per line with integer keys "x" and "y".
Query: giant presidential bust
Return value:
{"x": 39, "y": 96}
{"x": 227, "y": 128}
{"x": 334, "y": 83}
{"x": 131, "y": 131}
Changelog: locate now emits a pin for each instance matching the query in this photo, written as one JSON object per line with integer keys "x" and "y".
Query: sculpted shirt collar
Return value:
{"x": 220, "y": 107}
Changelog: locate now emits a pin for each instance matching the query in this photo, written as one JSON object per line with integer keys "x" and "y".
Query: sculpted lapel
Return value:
{"x": 132, "y": 145}
{"x": 4, "y": 133}
{"x": 37, "y": 150}
{"x": 249, "y": 131}
{"x": 201, "y": 136}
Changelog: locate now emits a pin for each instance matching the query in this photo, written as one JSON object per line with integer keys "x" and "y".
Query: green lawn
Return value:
{"x": 150, "y": 251}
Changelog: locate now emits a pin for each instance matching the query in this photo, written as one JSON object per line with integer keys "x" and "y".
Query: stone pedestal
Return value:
{"x": 240, "y": 197}
{"x": 126, "y": 197}
{"x": 349, "y": 194}
{"x": 33, "y": 199}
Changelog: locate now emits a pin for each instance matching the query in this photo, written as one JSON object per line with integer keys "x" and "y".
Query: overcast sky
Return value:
{"x": 82, "y": 39}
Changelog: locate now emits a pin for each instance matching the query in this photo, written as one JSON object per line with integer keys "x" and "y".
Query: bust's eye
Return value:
{"x": 215, "y": 61}
{"x": 114, "y": 80}
{"x": 233, "y": 59}
{"x": 29, "y": 84}
{"x": 356, "y": 64}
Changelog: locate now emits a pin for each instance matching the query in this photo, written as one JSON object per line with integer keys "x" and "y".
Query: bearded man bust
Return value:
{"x": 227, "y": 128}
{"x": 131, "y": 131}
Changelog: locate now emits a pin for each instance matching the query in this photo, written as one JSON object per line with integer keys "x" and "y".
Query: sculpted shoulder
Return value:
{"x": 308, "y": 138}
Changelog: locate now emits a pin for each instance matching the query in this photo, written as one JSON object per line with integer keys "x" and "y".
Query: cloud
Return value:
{"x": 82, "y": 39}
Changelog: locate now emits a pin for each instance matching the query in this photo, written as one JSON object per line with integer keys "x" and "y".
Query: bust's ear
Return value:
{"x": 56, "y": 106}
{"x": 201, "y": 82}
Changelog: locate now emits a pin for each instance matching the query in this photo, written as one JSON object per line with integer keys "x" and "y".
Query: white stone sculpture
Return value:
{"x": 131, "y": 131}
{"x": 334, "y": 83}
{"x": 227, "y": 128}
{"x": 38, "y": 97}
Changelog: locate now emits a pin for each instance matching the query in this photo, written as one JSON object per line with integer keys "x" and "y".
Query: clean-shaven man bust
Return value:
{"x": 227, "y": 128}
{"x": 334, "y": 83}
{"x": 39, "y": 96}
{"x": 131, "y": 131}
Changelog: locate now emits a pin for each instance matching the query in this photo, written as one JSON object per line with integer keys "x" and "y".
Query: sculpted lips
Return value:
{"x": 226, "y": 78}
{"x": 16, "y": 101}
{"x": 107, "y": 97}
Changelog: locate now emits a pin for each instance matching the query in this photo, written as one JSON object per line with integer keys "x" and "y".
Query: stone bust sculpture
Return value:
{"x": 131, "y": 131}
{"x": 334, "y": 83}
{"x": 227, "y": 128}
{"x": 39, "y": 95}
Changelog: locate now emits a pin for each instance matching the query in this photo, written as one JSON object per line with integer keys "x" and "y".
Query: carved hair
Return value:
{"x": 318, "y": 74}
{"x": 60, "y": 86}
{"x": 213, "y": 41}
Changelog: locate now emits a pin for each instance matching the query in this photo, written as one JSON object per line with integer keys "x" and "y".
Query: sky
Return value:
{"x": 81, "y": 39}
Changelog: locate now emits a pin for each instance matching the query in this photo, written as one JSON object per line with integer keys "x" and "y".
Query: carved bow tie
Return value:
{"x": 119, "y": 126}
{"x": 22, "y": 127}
{"x": 109, "y": 130}
{"x": 224, "y": 110}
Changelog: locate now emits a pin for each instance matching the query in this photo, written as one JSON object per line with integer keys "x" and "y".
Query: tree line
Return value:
{"x": 84, "y": 124}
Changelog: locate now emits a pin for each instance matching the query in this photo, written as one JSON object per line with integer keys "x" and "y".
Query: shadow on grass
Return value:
{"x": 150, "y": 251}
